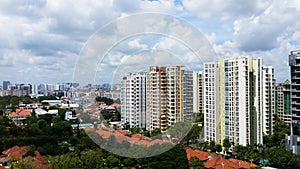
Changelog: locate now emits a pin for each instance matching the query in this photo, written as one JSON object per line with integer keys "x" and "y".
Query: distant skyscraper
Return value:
{"x": 283, "y": 101}
{"x": 169, "y": 96}
{"x": 6, "y": 85}
{"x": 233, "y": 100}
{"x": 133, "y": 100}
{"x": 294, "y": 62}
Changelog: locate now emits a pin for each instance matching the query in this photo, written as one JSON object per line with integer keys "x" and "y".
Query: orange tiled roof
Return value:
{"x": 218, "y": 162}
{"x": 122, "y": 132}
{"x": 139, "y": 136}
{"x": 39, "y": 159}
{"x": 16, "y": 152}
{"x": 201, "y": 155}
{"x": 20, "y": 112}
{"x": 120, "y": 137}
{"x": 242, "y": 164}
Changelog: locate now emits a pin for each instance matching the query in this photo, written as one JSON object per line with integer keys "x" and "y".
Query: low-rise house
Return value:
{"x": 69, "y": 115}
{"x": 69, "y": 105}
{"x": 218, "y": 162}
{"x": 16, "y": 154}
{"x": 19, "y": 115}
{"x": 40, "y": 112}
{"x": 52, "y": 102}
{"x": 110, "y": 109}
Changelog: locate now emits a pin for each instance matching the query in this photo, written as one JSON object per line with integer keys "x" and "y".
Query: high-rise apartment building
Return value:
{"x": 198, "y": 92}
{"x": 268, "y": 85}
{"x": 283, "y": 101}
{"x": 233, "y": 100}
{"x": 169, "y": 96}
{"x": 294, "y": 62}
{"x": 133, "y": 100}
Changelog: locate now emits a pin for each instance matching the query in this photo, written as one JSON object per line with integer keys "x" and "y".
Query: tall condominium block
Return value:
{"x": 283, "y": 101}
{"x": 156, "y": 99}
{"x": 133, "y": 100}
{"x": 169, "y": 96}
{"x": 233, "y": 100}
{"x": 294, "y": 62}
{"x": 268, "y": 84}
{"x": 211, "y": 108}
{"x": 198, "y": 92}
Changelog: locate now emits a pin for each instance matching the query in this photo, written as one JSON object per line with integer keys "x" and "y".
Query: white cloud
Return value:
{"x": 44, "y": 38}
{"x": 264, "y": 32}
{"x": 224, "y": 9}
{"x": 135, "y": 44}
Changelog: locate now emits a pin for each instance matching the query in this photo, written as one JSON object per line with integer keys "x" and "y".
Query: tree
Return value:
{"x": 212, "y": 146}
{"x": 30, "y": 151}
{"x": 112, "y": 161}
{"x": 106, "y": 100}
{"x": 135, "y": 130}
{"x": 200, "y": 118}
{"x": 280, "y": 158}
{"x": 226, "y": 144}
{"x": 193, "y": 134}
{"x": 42, "y": 123}
{"x": 92, "y": 159}
{"x": 174, "y": 158}
{"x": 279, "y": 130}
{"x": 127, "y": 126}
{"x": 106, "y": 114}
{"x": 195, "y": 163}
{"x": 155, "y": 132}
{"x": 218, "y": 148}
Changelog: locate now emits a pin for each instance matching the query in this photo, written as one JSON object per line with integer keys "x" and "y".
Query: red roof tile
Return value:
{"x": 218, "y": 162}
{"x": 39, "y": 158}
{"x": 20, "y": 112}
{"x": 140, "y": 136}
{"x": 242, "y": 164}
{"x": 122, "y": 132}
{"x": 201, "y": 155}
{"x": 16, "y": 152}
{"x": 120, "y": 137}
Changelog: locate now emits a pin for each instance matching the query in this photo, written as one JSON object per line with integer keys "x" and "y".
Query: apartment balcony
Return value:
{"x": 295, "y": 77}
{"x": 295, "y": 109}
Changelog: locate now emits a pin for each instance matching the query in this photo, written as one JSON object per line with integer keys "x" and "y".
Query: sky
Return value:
{"x": 100, "y": 41}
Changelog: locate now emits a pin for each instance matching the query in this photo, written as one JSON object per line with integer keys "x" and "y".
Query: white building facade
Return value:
{"x": 268, "y": 83}
{"x": 133, "y": 100}
{"x": 233, "y": 100}
{"x": 198, "y": 92}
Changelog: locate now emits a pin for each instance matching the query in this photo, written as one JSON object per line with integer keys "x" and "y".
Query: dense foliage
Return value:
{"x": 107, "y": 101}
{"x": 73, "y": 148}
{"x": 68, "y": 147}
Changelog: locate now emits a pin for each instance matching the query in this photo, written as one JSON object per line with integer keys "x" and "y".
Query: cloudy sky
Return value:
{"x": 57, "y": 41}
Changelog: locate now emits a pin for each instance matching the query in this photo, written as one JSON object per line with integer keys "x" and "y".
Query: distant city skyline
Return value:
{"x": 42, "y": 40}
